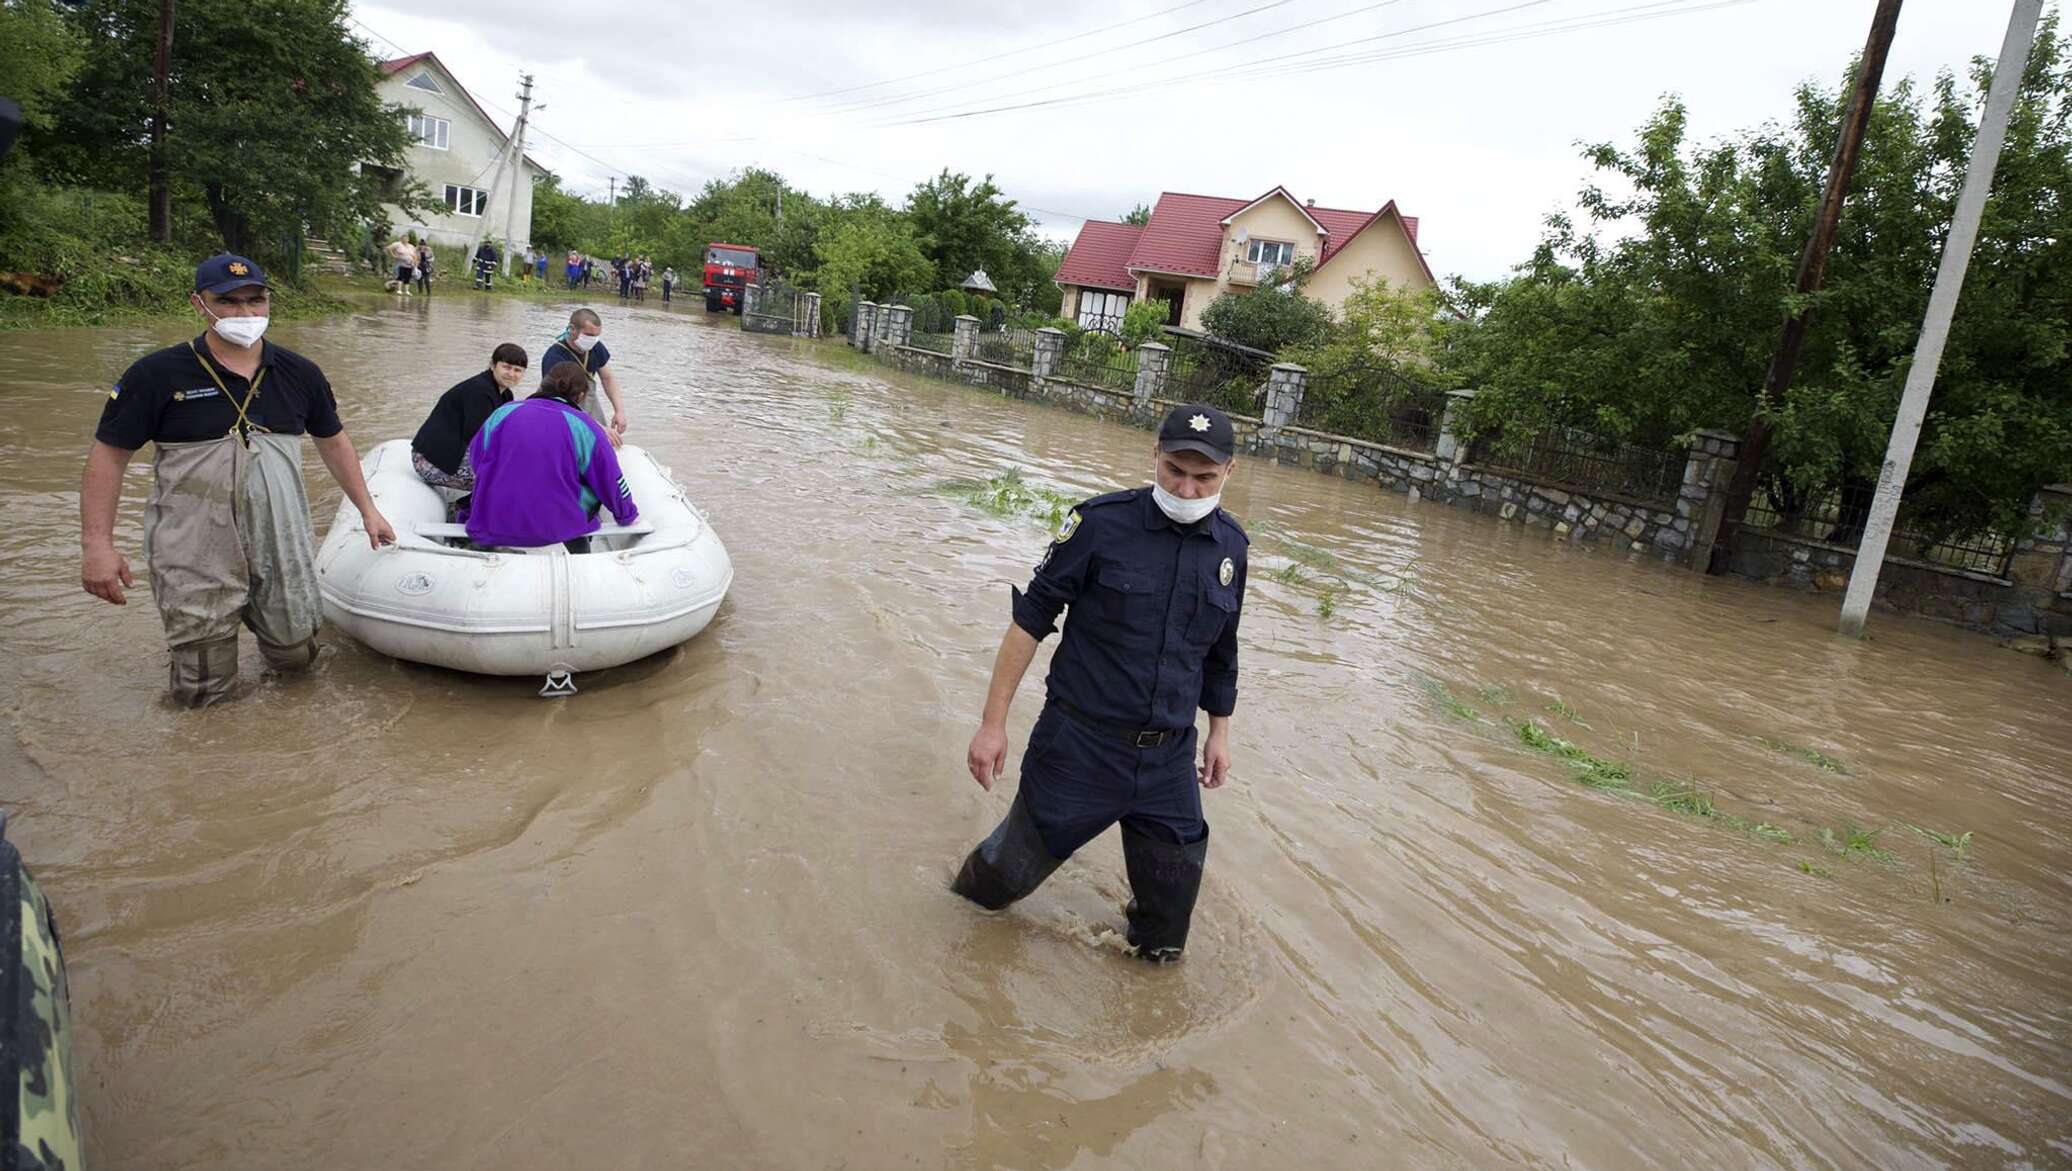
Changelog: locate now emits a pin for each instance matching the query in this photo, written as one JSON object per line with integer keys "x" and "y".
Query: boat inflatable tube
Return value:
{"x": 429, "y": 598}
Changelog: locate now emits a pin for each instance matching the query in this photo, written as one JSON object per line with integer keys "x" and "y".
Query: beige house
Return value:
{"x": 458, "y": 145}
{"x": 1195, "y": 248}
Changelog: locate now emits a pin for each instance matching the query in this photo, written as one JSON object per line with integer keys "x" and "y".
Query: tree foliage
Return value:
{"x": 1273, "y": 315}
{"x": 272, "y": 110}
{"x": 1138, "y": 215}
{"x": 1659, "y": 315}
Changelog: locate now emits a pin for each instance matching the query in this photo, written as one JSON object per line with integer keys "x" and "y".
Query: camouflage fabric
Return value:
{"x": 39, "y": 1129}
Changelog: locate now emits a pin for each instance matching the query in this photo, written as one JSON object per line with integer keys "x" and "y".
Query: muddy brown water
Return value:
{"x": 392, "y": 916}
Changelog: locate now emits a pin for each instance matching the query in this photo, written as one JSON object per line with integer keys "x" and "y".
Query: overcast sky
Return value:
{"x": 1470, "y": 120}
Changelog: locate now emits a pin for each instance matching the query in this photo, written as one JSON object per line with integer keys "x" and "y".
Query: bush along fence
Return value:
{"x": 1645, "y": 501}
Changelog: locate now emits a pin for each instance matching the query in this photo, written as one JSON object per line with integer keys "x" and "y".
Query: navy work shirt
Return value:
{"x": 167, "y": 396}
{"x": 562, "y": 351}
{"x": 1151, "y": 632}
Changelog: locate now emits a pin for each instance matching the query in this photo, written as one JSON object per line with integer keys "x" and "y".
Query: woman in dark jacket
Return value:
{"x": 439, "y": 453}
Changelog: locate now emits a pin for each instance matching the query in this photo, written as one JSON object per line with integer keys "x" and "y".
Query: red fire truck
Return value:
{"x": 729, "y": 268}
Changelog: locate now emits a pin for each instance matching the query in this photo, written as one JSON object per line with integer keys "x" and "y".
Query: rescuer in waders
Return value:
{"x": 1151, "y": 581}
{"x": 226, "y": 528}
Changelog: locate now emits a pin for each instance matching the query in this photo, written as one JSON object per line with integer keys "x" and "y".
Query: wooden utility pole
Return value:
{"x": 161, "y": 104}
{"x": 1942, "y": 306}
{"x": 1812, "y": 269}
{"x": 517, "y": 167}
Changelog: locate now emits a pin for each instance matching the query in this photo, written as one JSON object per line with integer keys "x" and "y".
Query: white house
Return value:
{"x": 456, "y": 157}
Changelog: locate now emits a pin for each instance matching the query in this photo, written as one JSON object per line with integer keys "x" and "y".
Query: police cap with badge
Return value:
{"x": 1201, "y": 428}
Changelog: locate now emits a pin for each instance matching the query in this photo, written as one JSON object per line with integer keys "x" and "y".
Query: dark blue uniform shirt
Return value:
{"x": 181, "y": 394}
{"x": 1151, "y": 632}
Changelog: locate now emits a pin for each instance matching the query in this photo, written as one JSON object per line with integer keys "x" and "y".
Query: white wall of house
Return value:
{"x": 455, "y": 158}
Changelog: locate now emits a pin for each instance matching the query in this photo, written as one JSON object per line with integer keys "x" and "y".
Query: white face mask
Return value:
{"x": 239, "y": 331}
{"x": 584, "y": 342}
{"x": 1185, "y": 512}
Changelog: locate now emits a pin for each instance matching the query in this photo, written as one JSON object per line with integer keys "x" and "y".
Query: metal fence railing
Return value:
{"x": 777, "y": 308}
{"x": 1097, "y": 358}
{"x": 1381, "y": 405}
{"x": 1836, "y": 516}
{"x": 1580, "y": 459}
{"x": 1204, "y": 372}
{"x": 938, "y": 343}
{"x": 1008, "y": 347}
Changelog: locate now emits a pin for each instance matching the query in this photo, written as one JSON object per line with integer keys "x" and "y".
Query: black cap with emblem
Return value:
{"x": 1197, "y": 427}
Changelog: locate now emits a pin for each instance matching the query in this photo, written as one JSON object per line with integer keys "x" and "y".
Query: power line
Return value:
{"x": 828, "y": 93}
{"x": 1168, "y": 35}
{"x": 1280, "y": 65}
{"x": 1253, "y": 40}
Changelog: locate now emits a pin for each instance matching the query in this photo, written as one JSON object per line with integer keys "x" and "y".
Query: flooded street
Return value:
{"x": 393, "y": 916}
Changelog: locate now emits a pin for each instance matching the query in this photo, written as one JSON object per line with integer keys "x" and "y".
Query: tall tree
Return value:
{"x": 273, "y": 108}
{"x": 1139, "y": 215}
{"x": 964, "y": 226}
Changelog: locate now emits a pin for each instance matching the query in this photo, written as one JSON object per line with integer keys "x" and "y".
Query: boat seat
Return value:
{"x": 439, "y": 532}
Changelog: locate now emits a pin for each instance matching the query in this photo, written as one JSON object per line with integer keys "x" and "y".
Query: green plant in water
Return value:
{"x": 1759, "y": 829}
{"x": 1958, "y": 844}
{"x": 1560, "y": 708}
{"x": 1812, "y": 756}
{"x": 1682, "y": 798}
{"x": 1443, "y": 697}
{"x": 1289, "y": 574}
{"x": 1806, "y": 867}
{"x": 1594, "y": 771}
{"x": 1855, "y": 842}
{"x": 1499, "y": 696}
{"x": 1327, "y": 604}
{"x": 1008, "y": 495}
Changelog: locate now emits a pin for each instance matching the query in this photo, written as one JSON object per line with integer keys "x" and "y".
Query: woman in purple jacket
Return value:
{"x": 543, "y": 468}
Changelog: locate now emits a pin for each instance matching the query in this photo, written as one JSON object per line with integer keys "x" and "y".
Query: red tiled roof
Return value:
{"x": 1185, "y": 236}
{"x": 1099, "y": 258}
{"x": 399, "y": 64}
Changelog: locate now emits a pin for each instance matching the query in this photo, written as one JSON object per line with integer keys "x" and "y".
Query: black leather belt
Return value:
{"x": 1134, "y": 737}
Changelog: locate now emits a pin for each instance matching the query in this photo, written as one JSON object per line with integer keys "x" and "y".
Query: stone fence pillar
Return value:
{"x": 899, "y": 326}
{"x": 884, "y": 325}
{"x": 1452, "y": 449}
{"x": 2043, "y": 560}
{"x": 1050, "y": 346}
{"x": 751, "y": 300}
{"x": 1702, "y": 501}
{"x": 866, "y": 324}
{"x": 1284, "y": 390}
{"x": 1153, "y": 360}
{"x": 811, "y": 325}
{"x": 964, "y": 341}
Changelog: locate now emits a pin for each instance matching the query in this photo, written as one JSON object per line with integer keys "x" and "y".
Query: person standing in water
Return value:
{"x": 582, "y": 343}
{"x": 1151, "y": 581}
{"x": 226, "y": 530}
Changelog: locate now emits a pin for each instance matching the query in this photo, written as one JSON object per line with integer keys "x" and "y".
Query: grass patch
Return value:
{"x": 1682, "y": 798}
{"x": 1561, "y": 708}
{"x": 1442, "y": 696}
{"x": 1007, "y": 494}
{"x": 1812, "y": 756}
{"x": 1499, "y": 696}
{"x": 1593, "y": 771}
{"x": 1854, "y": 843}
{"x": 1289, "y": 574}
{"x": 1958, "y": 844}
{"x": 1806, "y": 867}
{"x": 1758, "y": 829}
{"x": 1327, "y": 603}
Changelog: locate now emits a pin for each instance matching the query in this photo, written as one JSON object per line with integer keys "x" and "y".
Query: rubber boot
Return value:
{"x": 1164, "y": 880}
{"x": 203, "y": 673}
{"x": 291, "y": 659}
{"x": 1010, "y": 863}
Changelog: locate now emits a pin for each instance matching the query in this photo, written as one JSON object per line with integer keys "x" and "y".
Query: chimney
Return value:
{"x": 1309, "y": 203}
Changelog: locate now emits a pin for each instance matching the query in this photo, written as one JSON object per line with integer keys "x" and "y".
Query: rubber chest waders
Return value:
{"x": 593, "y": 403}
{"x": 228, "y": 540}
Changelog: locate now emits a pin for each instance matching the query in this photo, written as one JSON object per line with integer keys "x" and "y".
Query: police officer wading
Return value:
{"x": 226, "y": 528}
{"x": 1151, "y": 582}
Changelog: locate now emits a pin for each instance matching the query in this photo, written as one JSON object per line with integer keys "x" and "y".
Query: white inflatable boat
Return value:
{"x": 429, "y": 598}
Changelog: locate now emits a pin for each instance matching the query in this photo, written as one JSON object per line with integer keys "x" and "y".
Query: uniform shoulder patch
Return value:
{"x": 1066, "y": 529}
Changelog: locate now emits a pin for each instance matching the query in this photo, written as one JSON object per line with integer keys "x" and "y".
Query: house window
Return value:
{"x": 425, "y": 82}
{"x": 466, "y": 200}
{"x": 1270, "y": 252}
{"x": 1099, "y": 309}
{"x": 429, "y": 131}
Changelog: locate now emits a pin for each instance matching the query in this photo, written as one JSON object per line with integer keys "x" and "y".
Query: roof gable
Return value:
{"x": 1292, "y": 202}
{"x": 1099, "y": 256}
{"x": 431, "y": 62}
{"x": 1388, "y": 212}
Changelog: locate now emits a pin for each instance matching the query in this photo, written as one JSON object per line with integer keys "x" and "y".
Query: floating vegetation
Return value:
{"x": 838, "y": 406}
{"x": 1812, "y": 756}
{"x": 1958, "y": 844}
{"x": 1310, "y": 555}
{"x": 1290, "y": 574}
{"x": 1327, "y": 603}
{"x": 1682, "y": 797}
{"x": 1007, "y": 494}
{"x": 1499, "y": 696}
{"x": 1806, "y": 867}
{"x": 1442, "y": 696}
{"x": 1560, "y": 708}
{"x": 1855, "y": 842}
{"x": 1759, "y": 829}
{"x": 1594, "y": 771}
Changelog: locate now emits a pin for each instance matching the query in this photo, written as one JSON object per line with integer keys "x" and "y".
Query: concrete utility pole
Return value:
{"x": 161, "y": 108}
{"x": 1812, "y": 269}
{"x": 1942, "y": 306}
{"x": 517, "y": 149}
{"x": 612, "y": 198}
